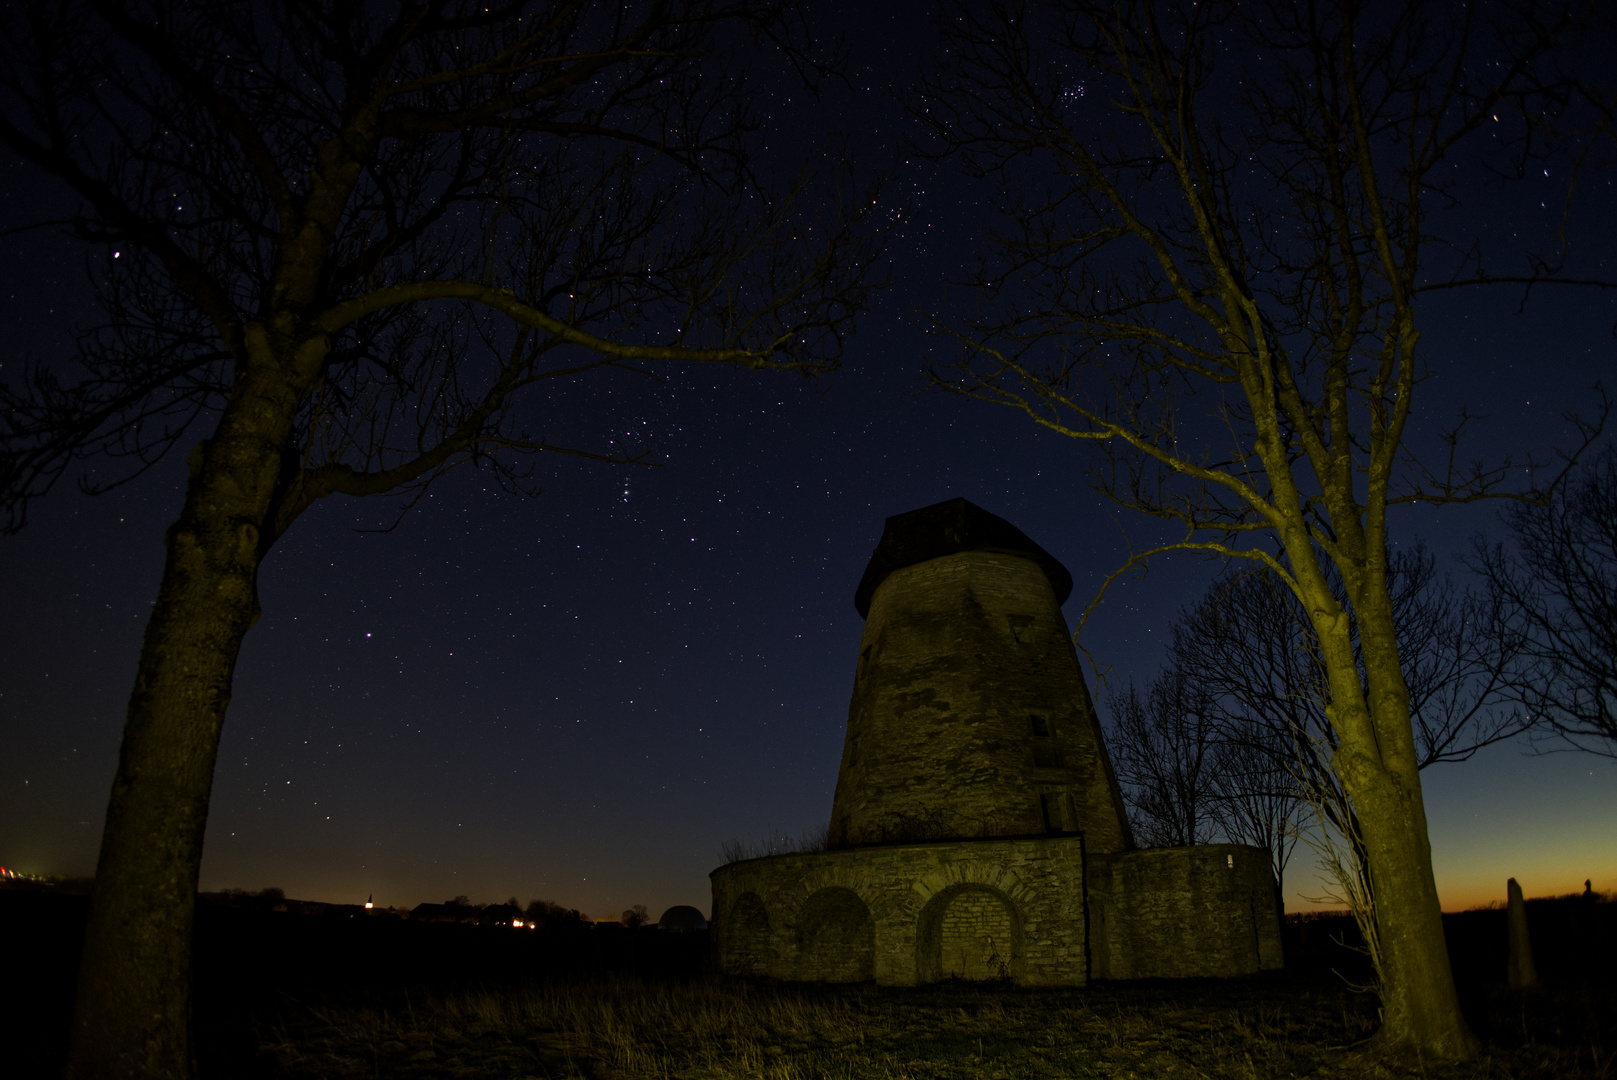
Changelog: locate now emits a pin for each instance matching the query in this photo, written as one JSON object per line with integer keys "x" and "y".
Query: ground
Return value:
{"x": 722, "y": 1029}
{"x": 283, "y": 995}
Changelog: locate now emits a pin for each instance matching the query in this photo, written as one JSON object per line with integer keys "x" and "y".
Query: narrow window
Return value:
{"x": 1052, "y": 807}
{"x": 1041, "y": 727}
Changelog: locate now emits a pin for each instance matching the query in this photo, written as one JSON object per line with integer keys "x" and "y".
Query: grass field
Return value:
{"x": 304, "y": 997}
{"x": 1284, "y": 1026}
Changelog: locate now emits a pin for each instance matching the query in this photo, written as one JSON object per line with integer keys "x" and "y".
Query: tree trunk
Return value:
{"x": 133, "y": 1009}
{"x": 1375, "y": 759}
{"x": 1420, "y": 1009}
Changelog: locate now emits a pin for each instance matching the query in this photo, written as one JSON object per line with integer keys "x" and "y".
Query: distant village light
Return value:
{"x": 516, "y": 922}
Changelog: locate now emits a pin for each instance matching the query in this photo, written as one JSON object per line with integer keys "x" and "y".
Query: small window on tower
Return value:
{"x": 1041, "y": 727}
{"x": 1052, "y": 807}
{"x": 1021, "y": 628}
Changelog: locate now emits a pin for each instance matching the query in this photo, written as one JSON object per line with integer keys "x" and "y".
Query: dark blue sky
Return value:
{"x": 579, "y": 697}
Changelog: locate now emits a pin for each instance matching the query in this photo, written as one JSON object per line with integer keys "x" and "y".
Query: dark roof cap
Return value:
{"x": 947, "y": 528}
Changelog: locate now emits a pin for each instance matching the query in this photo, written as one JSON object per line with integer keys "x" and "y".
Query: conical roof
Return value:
{"x": 946, "y": 528}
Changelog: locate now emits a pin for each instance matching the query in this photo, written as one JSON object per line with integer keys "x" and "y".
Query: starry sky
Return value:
{"x": 581, "y": 696}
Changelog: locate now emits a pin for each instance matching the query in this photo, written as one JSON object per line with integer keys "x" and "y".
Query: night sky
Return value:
{"x": 581, "y": 696}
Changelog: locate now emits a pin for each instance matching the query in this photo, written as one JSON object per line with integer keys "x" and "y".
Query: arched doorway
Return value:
{"x": 969, "y": 932}
{"x": 746, "y": 937}
{"x": 836, "y": 938}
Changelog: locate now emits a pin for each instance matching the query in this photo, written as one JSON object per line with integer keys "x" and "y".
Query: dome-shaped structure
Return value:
{"x": 682, "y": 917}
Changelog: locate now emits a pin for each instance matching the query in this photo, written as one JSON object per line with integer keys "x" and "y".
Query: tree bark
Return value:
{"x": 132, "y": 1014}
{"x": 1420, "y": 1009}
{"x": 1380, "y": 770}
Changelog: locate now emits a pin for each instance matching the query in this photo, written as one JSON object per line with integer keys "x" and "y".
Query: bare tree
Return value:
{"x": 1252, "y": 647}
{"x": 338, "y": 246}
{"x": 1192, "y": 773}
{"x": 1216, "y": 222}
{"x": 1258, "y": 801}
{"x": 1165, "y": 750}
{"x": 1249, "y": 651}
{"x": 549, "y": 915}
{"x": 1556, "y": 584}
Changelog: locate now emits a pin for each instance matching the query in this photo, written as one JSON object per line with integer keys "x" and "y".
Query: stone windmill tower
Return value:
{"x": 970, "y": 717}
{"x": 977, "y": 831}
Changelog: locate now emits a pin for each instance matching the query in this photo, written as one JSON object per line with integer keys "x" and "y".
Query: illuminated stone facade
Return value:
{"x": 967, "y": 676}
{"x": 977, "y": 831}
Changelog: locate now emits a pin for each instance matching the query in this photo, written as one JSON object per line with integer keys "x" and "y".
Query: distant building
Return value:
{"x": 444, "y": 913}
{"x": 500, "y": 915}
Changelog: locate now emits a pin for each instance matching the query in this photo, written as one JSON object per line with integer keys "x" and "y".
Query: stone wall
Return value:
{"x": 1183, "y": 912}
{"x": 907, "y": 913}
{"x": 970, "y": 716}
{"x": 751, "y": 950}
{"x": 977, "y": 937}
{"x": 836, "y": 937}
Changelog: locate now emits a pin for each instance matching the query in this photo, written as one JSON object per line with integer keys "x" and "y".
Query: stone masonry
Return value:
{"x": 906, "y": 914}
{"x": 977, "y": 831}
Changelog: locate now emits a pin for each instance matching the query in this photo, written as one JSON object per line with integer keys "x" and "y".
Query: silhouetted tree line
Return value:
{"x": 540, "y": 914}
{"x": 548, "y": 914}
{"x": 267, "y": 897}
{"x": 1555, "y": 583}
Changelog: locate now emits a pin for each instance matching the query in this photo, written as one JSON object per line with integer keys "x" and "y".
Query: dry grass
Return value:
{"x": 727, "y": 1030}
{"x": 774, "y": 842}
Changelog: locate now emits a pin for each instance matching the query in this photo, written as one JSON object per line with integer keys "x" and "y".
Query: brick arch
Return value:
{"x": 831, "y": 877}
{"x": 970, "y": 930}
{"x": 748, "y": 949}
{"x": 835, "y": 937}
{"x": 952, "y": 876}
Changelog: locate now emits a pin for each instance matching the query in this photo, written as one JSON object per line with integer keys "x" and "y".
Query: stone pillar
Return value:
{"x": 1520, "y": 969}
